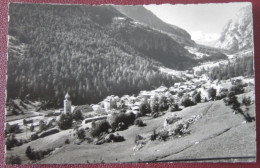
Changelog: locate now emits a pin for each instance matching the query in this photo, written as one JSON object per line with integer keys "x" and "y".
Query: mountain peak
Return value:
{"x": 237, "y": 34}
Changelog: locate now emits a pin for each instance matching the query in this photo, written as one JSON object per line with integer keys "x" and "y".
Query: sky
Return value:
{"x": 204, "y": 22}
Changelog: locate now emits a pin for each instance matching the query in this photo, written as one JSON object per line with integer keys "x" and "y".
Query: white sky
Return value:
{"x": 204, "y": 22}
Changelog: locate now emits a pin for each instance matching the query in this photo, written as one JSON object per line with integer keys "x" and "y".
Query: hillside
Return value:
{"x": 90, "y": 51}
{"x": 228, "y": 141}
{"x": 144, "y": 16}
{"x": 237, "y": 35}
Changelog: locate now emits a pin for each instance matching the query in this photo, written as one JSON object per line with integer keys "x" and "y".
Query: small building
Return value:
{"x": 177, "y": 85}
{"x": 109, "y": 103}
{"x": 161, "y": 89}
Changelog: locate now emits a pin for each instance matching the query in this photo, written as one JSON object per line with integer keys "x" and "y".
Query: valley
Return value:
{"x": 101, "y": 84}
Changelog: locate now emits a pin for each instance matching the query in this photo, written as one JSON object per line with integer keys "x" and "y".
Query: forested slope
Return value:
{"x": 89, "y": 51}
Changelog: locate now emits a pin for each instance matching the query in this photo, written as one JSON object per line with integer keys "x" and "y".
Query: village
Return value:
{"x": 33, "y": 125}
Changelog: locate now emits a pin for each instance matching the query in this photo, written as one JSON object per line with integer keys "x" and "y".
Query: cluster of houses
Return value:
{"x": 131, "y": 104}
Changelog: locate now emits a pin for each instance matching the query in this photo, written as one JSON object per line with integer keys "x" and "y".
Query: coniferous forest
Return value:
{"x": 89, "y": 51}
{"x": 243, "y": 66}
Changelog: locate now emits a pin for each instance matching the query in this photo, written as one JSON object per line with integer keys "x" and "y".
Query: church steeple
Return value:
{"x": 67, "y": 104}
{"x": 67, "y": 96}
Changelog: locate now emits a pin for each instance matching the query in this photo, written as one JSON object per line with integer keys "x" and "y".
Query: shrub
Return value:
{"x": 13, "y": 159}
{"x": 237, "y": 89}
{"x": 67, "y": 141}
{"x": 163, "y": 135}
{"x": 101, "y": 126}
{"x": 145, "y": 109}
{"x": 81, "y": 134}
{"x": 212, "y": 93}
{"x": 118, "y": 138}
{"x": 222, "y": 94}
{"x": 163, "y": 106}
{"x": 246, "y": 101}
{"x": 180, "y": 94}
{"x": 34, "y": 137}
{"x": 65, "y": 121}
{"x": 36, "y": 155}
{"x": 196, "y": 97}
{"x": 13, "y": 128}
{"x": 42, "y": 126}
{"x": 139, "y": 122}
{"x": 11, "y": 142}
{"x": 138, "y": 138}
{"x": 32, "y": 128}
{"x": 77, "y": 115}
{"x": 231, "y": 98}
{"x": 186, "y": 102}
{"x": 154, "y": 105}
{"x": 236, "y": 106}
{"x": 30, "y": 153}
{"x": 154, "y": 135}
{"x": 127, "y": 119}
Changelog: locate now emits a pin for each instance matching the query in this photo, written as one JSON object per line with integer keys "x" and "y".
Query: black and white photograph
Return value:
{"x": 130, "y": 83}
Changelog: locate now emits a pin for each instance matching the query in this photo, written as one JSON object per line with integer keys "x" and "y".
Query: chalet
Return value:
{"x": 177, "y": 85}
{"x": 109, "y": 103}
{"x": 161, "y": 89}
{"x": 95, "y": 107}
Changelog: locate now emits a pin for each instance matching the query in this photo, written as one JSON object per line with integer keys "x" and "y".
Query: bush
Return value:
{"x": 212, "y": 93}
{"x": 154, "y": 135}
{"x": 65, "y": 121}
{"x": 180, "y": 94}
{"x": 30, "y": 153}
{"x": 67, "y": 141}
{"x": 163, "y": 104}
{"x": 186, "y": 102}
{"x": 154, "y": 105}
{"x": 32, "y": 128}
{"x": 13, "y": 159}
{"x": 42, "y": 126}
{"x": 163, "y": 135}
{"x": 77, "y": 115}
{"x": 81, "y": 134}
{"x": 34, "y": 137}
{"x": 145, "y": 109}
{"x": 237, "y": 89}
{"x": 13, "y": 128}
{"x": 246, "y": 101}
{"x": 138, "y": 138}
{"x": 139, "y": 122}
{"x": 127, "y": 119}
{"x": 231, "y": 98}
{"x": 118, "y": 138}
{"x": 222, "y": 94}
{"x": 236, "y": 106}
{"x": 36, "y": 155}
{"x": 101, "y": 126}
{"x": 196, "y": 97}
{"x": 11, "y": 142}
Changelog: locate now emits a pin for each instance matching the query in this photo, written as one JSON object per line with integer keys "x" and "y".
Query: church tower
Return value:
{"x": 67, "y": 104}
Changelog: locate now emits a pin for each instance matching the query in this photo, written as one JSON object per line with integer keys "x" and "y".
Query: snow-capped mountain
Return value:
{"x": 237, "y": 34}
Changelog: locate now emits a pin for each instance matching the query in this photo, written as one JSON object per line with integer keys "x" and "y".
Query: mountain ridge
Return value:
{"x": 143, "y": 15}
{"x": 237, "y": 34}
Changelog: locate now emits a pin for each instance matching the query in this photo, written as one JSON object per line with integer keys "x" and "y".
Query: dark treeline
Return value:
{"x": 243, "y": 66}
{"x": 55, "y": 49}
